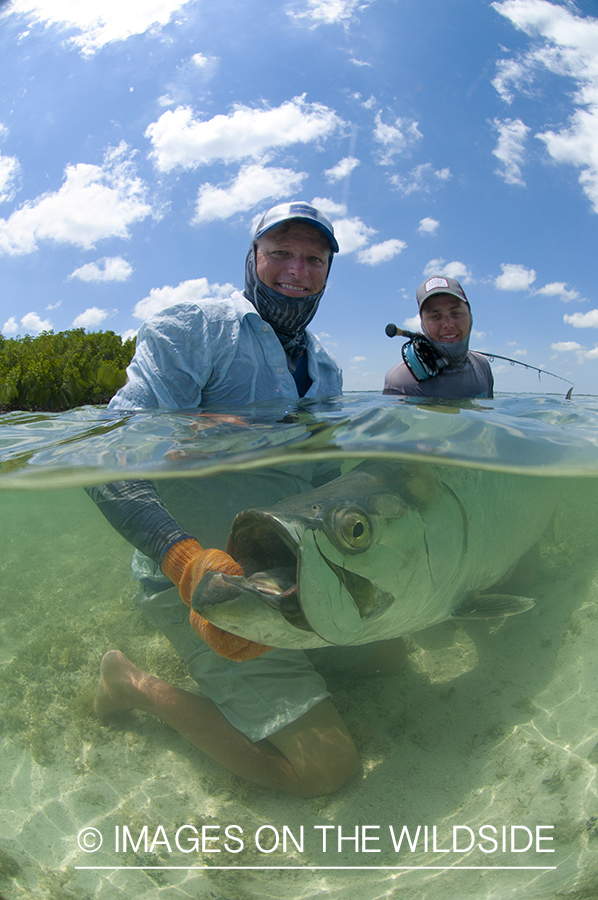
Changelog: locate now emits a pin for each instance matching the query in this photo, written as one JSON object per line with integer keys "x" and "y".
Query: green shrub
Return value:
{"x": 63, "y": 370}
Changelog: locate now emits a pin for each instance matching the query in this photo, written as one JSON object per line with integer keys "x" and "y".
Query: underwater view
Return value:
{"x": 470, "y": 529}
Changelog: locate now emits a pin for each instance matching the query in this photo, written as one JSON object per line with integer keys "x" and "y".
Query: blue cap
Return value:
{"x": 300, "y": 212}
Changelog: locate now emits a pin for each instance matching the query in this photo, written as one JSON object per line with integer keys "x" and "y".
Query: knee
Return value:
{"x": 331, "y": 770}
{"x": 319, "y": 750}
{"x": 329, "y": 780}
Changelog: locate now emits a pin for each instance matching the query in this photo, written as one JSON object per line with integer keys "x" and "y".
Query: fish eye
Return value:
{"x": 353, "y": 528}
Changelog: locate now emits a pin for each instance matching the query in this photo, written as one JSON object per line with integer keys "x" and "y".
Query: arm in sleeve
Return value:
{"x": 173, "y": 361}
{"x": 136, "y": 511}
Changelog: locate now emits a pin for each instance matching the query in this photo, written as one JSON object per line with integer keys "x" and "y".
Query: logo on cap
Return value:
{"x": 303, "y": 209}
{"x": 435, "y": 283}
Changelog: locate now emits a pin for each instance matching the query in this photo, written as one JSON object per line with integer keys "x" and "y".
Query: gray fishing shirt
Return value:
{"x": 472, "y": 380}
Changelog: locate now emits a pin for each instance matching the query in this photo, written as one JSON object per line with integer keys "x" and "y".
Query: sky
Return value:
{"x": 140, "y": 141}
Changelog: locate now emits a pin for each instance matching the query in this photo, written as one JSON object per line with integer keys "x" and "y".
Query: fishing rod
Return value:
{"x": 425, "y": 362}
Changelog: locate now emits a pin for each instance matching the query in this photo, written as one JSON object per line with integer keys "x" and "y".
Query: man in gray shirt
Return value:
{"x": 455, "y": 370}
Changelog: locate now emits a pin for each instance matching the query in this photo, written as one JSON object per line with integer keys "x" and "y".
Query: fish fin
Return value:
{"x": 492, "y": 606}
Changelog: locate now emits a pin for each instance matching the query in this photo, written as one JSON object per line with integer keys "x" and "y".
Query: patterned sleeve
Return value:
{"x": 136, "y": 511}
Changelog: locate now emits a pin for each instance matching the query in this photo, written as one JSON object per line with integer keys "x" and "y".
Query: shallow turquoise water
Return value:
{"x": 493, "y": 723}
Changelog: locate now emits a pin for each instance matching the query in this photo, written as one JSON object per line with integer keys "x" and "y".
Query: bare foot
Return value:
{"x": 117, "y": 687}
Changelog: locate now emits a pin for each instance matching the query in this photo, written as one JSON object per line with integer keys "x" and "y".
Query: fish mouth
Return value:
{"x": 267, "y": 551}
{"x": 287, "y": 576}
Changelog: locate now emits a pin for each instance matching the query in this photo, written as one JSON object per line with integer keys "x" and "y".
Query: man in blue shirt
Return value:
{"x": 253, "y": 346}
{"x": 265, "y": 714}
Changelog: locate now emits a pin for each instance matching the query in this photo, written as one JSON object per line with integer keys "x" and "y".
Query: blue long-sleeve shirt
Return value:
{"x": 217, "y": 352}
{"x": 214, "y": 352}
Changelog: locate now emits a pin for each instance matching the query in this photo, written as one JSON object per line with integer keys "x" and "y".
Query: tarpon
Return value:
{"x": 383, "y": 550}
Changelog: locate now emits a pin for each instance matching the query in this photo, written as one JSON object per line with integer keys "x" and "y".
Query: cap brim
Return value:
{"x": 308, "y": 221}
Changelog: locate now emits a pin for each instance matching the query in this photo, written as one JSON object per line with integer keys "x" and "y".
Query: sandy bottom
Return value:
{"x": 491, "y": 724}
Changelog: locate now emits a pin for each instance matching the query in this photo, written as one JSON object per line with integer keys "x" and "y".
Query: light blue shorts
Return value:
{"x": 257, "y": 696}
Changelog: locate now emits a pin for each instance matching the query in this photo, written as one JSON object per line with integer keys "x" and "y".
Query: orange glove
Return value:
{"x": 185, "y": 564}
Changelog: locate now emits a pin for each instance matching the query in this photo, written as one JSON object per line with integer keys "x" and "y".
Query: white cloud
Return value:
{"x": 566, "y": 346}
{"x": 129, "y": 333}
{"x": 422, "y": 178}
{"x": 566, "y": 45}
{"x": 10, "y": 327}
{"x": 428, "y": 226}
{"x": 325, "y": 339}
{"x": 253, "y": 184}
{"x": 583, "y": 320}
{"x": 511, "y": 73}
{"x": 179, "y": 139}
{"x": 178, "y": 91}
{"x": 99, "y": 21}
{"x": 328, "y": 12}
{"x": 512, "y": 134}
{"x": 396, "y": 138}
{"x": 379, "y": 253}
{"x": 514, "y": 278}
{"x": 453, "y": 269}
{"x": 352, "y": 234}
{"x": 558, "y": 289}
{"x": 358, "y": 359}
{"x": 110, "y": 268}
{"x": 94, "y": 203}
{"x": 413, "y": 323}
{"x": 186, "y": 292}
{"x": 91, "y": 318}
{"x": 579, "y": 146}
{"x": 341, "y": 169}
{"x": 9, "y": 170}
{"x": 200, "y": 61}
{"x": 329, "y": 207}
{"x": 31, "y": 324}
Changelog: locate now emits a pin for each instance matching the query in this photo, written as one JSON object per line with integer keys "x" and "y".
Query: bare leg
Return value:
{"x": 314, "y": 755}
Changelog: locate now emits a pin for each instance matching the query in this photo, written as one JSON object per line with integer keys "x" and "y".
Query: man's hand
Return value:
{"x": 185, "y": 564}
